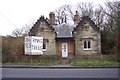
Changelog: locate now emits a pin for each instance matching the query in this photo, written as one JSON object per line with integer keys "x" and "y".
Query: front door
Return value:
{"x": 64, "y": 50}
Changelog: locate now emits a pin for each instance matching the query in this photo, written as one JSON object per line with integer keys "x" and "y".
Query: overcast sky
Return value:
{"x": 18, "y": 13}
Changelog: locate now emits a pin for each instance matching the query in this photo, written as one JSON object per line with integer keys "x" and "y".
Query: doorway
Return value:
{"x": 64, "y": 50}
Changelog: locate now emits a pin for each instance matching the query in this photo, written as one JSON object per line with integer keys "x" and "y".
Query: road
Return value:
{"x": 60, "y": 73}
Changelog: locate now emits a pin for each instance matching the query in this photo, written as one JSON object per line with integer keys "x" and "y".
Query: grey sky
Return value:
{"x": 18, "y": 13}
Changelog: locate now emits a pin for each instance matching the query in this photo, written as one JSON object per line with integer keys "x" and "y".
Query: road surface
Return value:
{"x": 60, "y": 73}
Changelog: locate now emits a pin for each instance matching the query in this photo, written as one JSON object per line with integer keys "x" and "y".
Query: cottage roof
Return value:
{"x": 64, "y": 30}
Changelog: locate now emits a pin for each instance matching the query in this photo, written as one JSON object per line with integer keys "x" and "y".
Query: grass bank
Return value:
{"x": 94, "y": 63}
{"x": 73, "y": 63}
{"x": 40, "y": 63}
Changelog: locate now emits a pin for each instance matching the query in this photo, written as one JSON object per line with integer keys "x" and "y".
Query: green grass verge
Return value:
{"x": 94, "y": 63}
{"x": 41, "y": 63}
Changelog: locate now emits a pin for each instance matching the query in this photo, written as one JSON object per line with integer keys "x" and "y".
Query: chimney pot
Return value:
{"x": 52, "y": 18}
{"x": 76, "y": 18}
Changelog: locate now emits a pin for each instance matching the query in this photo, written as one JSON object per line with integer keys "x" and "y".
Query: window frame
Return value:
{"x": 45, "y": 41}
{"x": 87, "y": 45}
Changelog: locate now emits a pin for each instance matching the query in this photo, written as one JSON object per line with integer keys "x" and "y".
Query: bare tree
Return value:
{"x": 85, "y": 9}
{"x": 64, "y": 13}
{"x": 112, "y": 9}
{"x": 95, "y": 13}
{"x": 21, "y": 32}
{"x": 112, "y": 13}
{"x": 17, "y": 32}
{"x": 26, "y": 30}
{"x": 112, "y": 22}
{"x": 99, "y": 17}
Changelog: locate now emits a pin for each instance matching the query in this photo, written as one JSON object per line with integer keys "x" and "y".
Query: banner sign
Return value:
{"x": 33, "y": 45}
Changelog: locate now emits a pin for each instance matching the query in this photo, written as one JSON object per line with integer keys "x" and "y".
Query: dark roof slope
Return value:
{"x": 64, "y": 31}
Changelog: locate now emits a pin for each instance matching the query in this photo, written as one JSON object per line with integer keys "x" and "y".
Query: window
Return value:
{"x": 44, "y": 45}
{"x": 87, "y": 45}
{"x": 45, "y": 41}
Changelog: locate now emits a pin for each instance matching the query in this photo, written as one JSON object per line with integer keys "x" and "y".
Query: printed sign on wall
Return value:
{"x": 33, "y": 45}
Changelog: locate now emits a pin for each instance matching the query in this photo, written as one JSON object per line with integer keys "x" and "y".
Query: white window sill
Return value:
{"x": 44, "y": 50}
{"x": 87, "y": 49}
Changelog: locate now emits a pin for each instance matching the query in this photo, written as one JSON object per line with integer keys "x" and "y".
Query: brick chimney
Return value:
{"x": 52, "y": 18}
{"x": 76, "y": 18}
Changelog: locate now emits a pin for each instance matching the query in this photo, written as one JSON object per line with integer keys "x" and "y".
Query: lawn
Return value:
{"x": 40, "y": 63}
{"x": 94, "y": 63}
{"x": 73, "y": 63}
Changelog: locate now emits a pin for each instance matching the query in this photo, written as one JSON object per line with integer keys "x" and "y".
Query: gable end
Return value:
{"x": 35, "y": 28}
{"x": 84, "y": 20}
